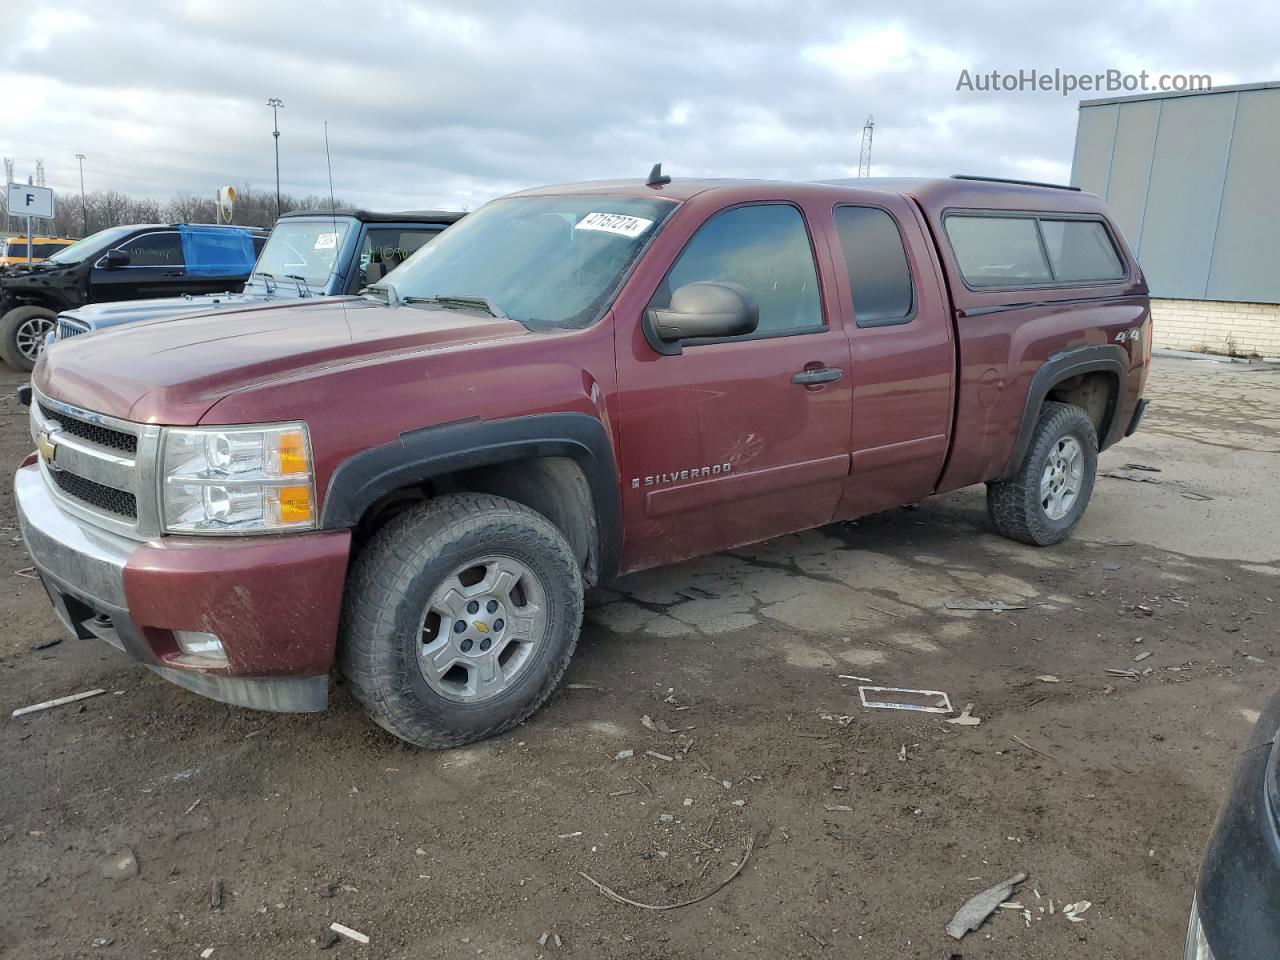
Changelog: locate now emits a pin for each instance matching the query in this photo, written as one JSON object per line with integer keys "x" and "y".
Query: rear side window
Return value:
{"x": 998, "y": 251}
{"x": 764, "y": 247}
{"x": 1080, "y": 250}
{"x": 877, "y": 263}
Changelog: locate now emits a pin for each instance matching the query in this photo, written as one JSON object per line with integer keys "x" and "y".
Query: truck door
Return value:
{"x": 903, "y": 354}
{"x": 155, "y": 269}
{"x": 743, "y": 438}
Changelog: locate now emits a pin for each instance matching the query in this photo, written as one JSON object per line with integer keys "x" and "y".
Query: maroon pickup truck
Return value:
{"x": 572, "y": 383}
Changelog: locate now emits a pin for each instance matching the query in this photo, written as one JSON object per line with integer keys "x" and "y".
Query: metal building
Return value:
{"x": 1194, "y": 180}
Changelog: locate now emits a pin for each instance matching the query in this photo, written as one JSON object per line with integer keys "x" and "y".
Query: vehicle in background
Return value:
{"x": 13, "y": 250}
{"x": 308, "y": 254}
{"x": 1235, "y": 914}
{"x": 119, "y": 263}
{"x": 572, "y": 383}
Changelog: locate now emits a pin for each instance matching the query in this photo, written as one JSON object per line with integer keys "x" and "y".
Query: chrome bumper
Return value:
{"x": 82, "y": 568}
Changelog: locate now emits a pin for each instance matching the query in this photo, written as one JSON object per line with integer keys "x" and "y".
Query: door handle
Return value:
{"x": 817, "y": 375}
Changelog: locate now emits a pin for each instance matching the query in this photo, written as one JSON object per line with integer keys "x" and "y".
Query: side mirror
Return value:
{"x": 708, "y": 308}
{"x": 114, "y": 258}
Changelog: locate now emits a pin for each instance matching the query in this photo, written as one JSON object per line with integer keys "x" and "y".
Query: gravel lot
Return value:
{"x": 869, "y": 827}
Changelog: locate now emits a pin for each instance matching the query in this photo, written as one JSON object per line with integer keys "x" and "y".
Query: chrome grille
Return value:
{"x": 70, "y": 328}
{"x": 103, "y": 436}
{"x": 102, "y": 469}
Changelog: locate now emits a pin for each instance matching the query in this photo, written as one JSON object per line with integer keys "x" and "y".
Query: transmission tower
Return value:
{"x": 39, "y": 173}
{"x": 864, "y": 157}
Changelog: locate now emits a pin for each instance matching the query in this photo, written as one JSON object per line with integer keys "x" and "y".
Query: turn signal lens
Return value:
{"x": 293, "y": 454}
{"x": 293, "y": 505}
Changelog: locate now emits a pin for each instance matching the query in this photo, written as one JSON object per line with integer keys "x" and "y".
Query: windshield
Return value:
{"x": 303, "y": 248}
{"x": 550, "y": 263}
{"x": 94, "y": 243}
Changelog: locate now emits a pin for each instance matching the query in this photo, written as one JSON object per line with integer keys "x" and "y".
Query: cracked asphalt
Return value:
{"x": 869, "y": 828}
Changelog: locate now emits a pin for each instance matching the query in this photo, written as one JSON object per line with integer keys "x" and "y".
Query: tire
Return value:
{"x": 470, "y": 559}
{"x": 22, "y": 332}
{"x": 1033, "y": 507}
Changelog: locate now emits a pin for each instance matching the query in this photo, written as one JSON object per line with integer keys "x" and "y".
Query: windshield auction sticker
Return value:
{"x": 621, "y": 224}
{"x": 326, "y": 241}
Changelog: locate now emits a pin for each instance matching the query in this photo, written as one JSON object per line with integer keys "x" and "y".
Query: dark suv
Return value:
{"x": 120, "y": 263}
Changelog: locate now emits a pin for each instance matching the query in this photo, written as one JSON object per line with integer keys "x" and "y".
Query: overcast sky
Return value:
{"x": 452, "y": 102}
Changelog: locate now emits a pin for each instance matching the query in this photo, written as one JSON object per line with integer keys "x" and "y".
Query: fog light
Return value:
{"x": 198, "y": 644}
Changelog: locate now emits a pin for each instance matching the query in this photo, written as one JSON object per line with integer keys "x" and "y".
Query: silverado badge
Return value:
{"x": 48, "y": 449}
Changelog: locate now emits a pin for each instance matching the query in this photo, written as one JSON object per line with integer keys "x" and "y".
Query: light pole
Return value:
{"x": 84, "y": 213}
{"x": 275, "y": 103}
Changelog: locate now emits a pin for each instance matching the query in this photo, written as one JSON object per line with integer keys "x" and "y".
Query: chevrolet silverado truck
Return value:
{"x": 119, "y": 263}
{"x": 308, "y": 254}
{"x": 572, "y": 383}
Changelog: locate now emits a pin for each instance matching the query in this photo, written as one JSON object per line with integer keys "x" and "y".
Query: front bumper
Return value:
{"x": 273, "y": 601}
{"x": 1238, "y": 892}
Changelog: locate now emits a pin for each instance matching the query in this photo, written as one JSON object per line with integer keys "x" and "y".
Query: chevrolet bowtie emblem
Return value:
{"x": 480, "y": 625}
{"x": 48, "y": 449}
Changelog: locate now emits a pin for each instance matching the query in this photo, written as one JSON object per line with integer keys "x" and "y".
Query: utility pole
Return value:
{"x": 8, "y": 178}
{"x": 275, "y": 103}
{"x": 84, "y": 212}
{"x": 864, "y": 157}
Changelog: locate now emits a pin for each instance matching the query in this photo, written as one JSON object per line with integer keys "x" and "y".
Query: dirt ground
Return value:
{"x": 869, "y": 827}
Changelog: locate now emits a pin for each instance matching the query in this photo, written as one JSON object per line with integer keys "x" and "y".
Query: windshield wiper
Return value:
{"x": 461, "y": 303}
{"x": 269, "y": 279}
{"x": 303, "y": 289}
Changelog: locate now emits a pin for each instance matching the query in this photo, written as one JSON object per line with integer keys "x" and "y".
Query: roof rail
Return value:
{"x": 1025, "y": 183}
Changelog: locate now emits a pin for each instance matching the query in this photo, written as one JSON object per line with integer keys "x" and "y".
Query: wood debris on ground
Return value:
{"x": 56, "y": 702}
{"x": 344, "y": 931}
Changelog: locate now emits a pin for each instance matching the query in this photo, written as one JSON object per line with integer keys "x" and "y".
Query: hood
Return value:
{"x": 99, "y": 316}
{"x": 173, "y": 370}
{"x": 19, "y": 271}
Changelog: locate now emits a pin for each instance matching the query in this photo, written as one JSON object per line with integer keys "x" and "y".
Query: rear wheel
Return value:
{"x": 22, "y": 333}
{"x": 1045, "y": 500}
{"x": 460, "y": 618}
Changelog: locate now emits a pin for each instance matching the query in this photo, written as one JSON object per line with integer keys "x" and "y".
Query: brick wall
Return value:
{"x": 1217, "y": 326}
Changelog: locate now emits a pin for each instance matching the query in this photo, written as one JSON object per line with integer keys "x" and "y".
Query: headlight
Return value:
{"x": 227, "y": 480}
{"x": 1197, "y": 947}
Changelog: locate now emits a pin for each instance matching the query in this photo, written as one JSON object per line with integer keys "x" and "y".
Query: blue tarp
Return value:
{"x": 217, "y": 251}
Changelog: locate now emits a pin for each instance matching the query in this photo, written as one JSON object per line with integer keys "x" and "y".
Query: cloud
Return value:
{"x": 452, "y": 102}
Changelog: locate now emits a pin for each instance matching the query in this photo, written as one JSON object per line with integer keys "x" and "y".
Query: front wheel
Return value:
{"x": 460, "y": 619}
{"x": 22, "y": 333}
{"x": 1045, "y": 500}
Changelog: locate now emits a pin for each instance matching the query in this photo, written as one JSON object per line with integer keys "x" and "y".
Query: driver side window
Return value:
{"x": 154, "y": 250}
{"x": 765, "y": 248}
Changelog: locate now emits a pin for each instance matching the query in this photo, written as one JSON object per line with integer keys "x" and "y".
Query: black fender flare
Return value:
{"x": 419, "y": 455}
{"x": 1108, "y": 358}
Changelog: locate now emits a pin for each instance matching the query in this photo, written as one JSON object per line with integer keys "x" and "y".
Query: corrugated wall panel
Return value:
{"x": 1135, "y": 143}
{"x": 1194, "y": 183}
{"x": 1246, "y": 256}
{"x": 1176, "y": 242}
{"x": 1095, "y": 137}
